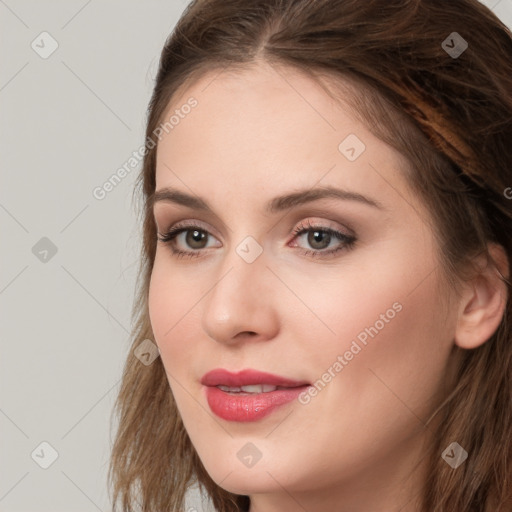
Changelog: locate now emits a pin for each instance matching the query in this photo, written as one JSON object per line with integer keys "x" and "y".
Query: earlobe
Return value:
{"x": 483, "y": 302}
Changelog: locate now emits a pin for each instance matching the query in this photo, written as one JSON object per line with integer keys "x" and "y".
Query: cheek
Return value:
{"x": 174, "y": 304}
{"x": 168, "y": 316}
{"x": 381, "y": 396}
{"x": 160, "y": 302}
{"x": 390, "y": 350}
{"x": 168, "y": 304}
{"x": 387, "y": 341}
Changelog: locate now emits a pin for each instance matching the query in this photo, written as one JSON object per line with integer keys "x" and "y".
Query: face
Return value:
{"x": 338, "y": 294}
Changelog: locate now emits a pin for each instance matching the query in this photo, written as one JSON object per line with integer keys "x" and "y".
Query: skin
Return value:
{"x": 359, "y": 445}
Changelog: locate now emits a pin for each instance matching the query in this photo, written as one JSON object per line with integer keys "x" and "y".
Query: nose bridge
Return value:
{"x": 239, "y": 300}
{"x": 243, "y": 267}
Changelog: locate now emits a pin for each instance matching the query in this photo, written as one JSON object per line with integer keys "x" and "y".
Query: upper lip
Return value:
{"x": 222, "y": 377}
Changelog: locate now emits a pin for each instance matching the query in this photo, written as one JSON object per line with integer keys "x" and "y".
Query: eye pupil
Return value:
{"x": 319, "y": 237}
{"x": 195, "y": 236}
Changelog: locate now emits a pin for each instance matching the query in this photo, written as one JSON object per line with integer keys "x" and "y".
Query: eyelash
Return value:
{"x": 348, "y": 240}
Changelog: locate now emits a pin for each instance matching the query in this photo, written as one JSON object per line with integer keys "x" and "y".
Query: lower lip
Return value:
{"x": 248, "y": 407}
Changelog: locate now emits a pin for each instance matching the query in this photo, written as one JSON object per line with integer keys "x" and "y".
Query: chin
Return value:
{"x": 233, "y": 476}
{"x": 246, "y": 482}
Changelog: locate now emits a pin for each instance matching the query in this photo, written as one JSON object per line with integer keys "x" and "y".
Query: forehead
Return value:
{"x": 256, "y": 105}
{"x": 265, "y": 126}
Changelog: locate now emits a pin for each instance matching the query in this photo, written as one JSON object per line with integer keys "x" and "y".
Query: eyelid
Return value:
{"x": 309, "y": 222}
{"x": 345, "y": 240}
{"x": 320, "y": 223}
{"x": 189, "y": 223}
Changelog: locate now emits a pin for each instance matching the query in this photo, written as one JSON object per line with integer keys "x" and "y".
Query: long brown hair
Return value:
{"x": 450, "y": 115}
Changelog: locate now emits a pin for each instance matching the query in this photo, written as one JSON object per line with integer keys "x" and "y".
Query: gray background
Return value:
{"x": 68, "y": 122}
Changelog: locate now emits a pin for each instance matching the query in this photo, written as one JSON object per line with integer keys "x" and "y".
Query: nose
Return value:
{"x": 241, "y": 304}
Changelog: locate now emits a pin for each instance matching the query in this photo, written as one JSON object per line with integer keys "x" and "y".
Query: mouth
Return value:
{"x": 249, "y": 395}
{"x": 247, "y": 379}
{"x": 252, "y": 389}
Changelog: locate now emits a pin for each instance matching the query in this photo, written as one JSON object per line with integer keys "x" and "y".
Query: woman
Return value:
{"x": 325, "y": 266}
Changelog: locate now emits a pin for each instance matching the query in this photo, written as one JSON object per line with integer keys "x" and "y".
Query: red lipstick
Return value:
{"x": 265, "y": 392}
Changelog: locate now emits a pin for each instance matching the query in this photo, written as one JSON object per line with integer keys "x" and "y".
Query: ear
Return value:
{"x": 483, "y": 301}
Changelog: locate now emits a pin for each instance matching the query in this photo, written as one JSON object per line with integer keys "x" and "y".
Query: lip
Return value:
{"x": 221, "y": 377}
{"x": 244, "y": 407}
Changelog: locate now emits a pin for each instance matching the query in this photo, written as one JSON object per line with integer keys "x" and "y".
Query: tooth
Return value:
{"x": 227, "y": 388}
{"x": 252, "y": 388}
{"x": 258, "y": 388}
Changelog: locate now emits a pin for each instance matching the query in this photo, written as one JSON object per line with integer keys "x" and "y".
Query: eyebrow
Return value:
{"x": 277, "y": 204}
